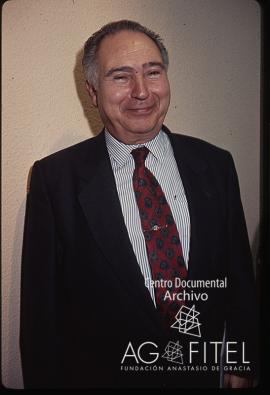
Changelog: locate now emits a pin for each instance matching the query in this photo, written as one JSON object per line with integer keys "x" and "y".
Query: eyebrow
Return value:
{"x": 129, "y": 69}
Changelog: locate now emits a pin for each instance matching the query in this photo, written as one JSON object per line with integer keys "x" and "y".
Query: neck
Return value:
{"x": 135, "y": 139}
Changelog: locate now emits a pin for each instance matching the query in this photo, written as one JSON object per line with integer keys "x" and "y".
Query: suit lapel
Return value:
{"x": 102, "y": 209}
{"x": 201, "y": 200}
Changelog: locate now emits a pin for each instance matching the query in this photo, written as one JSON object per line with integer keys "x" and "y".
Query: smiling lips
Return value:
{"x": 141, "y": 110}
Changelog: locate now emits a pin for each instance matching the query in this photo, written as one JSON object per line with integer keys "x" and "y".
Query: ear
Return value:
{"x": 92, "y": 93}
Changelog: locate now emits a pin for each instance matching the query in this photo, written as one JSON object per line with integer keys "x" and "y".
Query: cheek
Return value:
{"x": 113, "y": 97}
{"x": 165, "y": 90}
{"x": 162, "y": 91}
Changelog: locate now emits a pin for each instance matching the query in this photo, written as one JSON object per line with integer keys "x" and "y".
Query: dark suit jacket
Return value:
{"x": 83, "y": 295}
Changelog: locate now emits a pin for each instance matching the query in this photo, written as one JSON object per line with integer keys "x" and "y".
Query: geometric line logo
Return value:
{"x": 173, "y": 352}
{"x": 187, "y": 321}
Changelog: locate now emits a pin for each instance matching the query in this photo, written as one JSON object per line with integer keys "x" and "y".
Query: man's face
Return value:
{"x": 132, "y": 91}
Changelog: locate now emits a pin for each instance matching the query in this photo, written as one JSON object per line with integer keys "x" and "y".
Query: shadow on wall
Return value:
{"x": 14, "y": 372}
{"x": 13, "y": 365}
{"x": 90, "y": 112}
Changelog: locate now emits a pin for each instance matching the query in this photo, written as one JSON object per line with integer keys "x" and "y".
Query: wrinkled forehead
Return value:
{"x": 127, "y": 48}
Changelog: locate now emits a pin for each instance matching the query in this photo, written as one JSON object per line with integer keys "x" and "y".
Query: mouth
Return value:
{"x": 141, "y": 110}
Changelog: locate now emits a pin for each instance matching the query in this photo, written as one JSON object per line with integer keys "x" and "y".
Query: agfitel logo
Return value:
{"x": 187, "y": 323}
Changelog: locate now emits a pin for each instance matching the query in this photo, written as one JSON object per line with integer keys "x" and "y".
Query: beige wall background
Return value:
{"x": 214, "y": 48}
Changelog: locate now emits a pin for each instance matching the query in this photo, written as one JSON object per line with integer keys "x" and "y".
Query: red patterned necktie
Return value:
{"x": 162, "y": 240}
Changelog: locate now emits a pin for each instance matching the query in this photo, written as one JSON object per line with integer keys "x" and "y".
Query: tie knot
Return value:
{"x": 139, "y": 155}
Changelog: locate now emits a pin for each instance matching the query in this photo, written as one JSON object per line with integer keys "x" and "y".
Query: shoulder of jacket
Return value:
{"x": 72, "y": 153}
{"x": 199, "y": 148}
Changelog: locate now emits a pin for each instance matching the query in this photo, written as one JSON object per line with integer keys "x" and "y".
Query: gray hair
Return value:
{"x": 91, "y": 46}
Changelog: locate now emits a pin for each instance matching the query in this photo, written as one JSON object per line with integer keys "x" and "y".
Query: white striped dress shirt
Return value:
{"x": 161, "y": 162}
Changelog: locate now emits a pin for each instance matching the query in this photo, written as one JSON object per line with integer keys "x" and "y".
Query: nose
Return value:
{"x": 139, "y": 89}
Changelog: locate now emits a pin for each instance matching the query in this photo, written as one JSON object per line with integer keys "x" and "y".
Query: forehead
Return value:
{"x": 127, "y": 48}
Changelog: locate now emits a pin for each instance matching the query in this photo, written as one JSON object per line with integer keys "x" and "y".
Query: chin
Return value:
{"x": 144, "y": 127}
{"x": 144, "y": 130}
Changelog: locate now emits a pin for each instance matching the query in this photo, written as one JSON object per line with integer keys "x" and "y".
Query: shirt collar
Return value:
{"x": 121, "y": 152}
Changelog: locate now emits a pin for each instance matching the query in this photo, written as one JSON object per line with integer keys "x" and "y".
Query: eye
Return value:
{"x": 121, "y": 79}
{"x": 153, "y": 74}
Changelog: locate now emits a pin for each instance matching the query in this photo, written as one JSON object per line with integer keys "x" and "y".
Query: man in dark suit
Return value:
{"x": 97, "y": 305}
